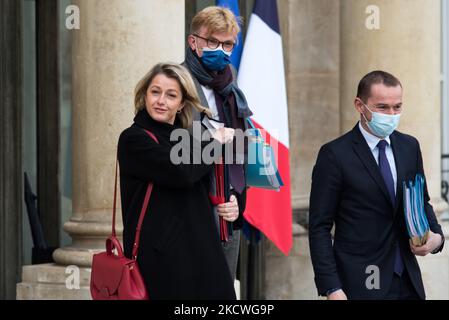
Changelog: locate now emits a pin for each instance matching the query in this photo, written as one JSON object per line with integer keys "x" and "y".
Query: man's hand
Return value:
{"x": 337, "y": 295}
{"x": 223, "y": 135}
{"x": 434, "y": 241}
{"x": 229, "y": 210}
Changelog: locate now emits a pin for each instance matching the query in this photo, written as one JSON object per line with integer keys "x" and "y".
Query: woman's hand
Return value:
{"x": 229, "y": 210}
{"x": 223, "y": 135}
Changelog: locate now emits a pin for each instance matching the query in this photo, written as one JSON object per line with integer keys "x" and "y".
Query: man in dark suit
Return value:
{"x": 357, "y": 185}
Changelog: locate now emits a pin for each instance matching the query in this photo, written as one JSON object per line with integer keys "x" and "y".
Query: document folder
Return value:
{"x": 415, "y": 215}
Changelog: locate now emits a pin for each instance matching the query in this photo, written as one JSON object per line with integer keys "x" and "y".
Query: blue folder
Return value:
{"x": 261, "y": 169}
{"x": 414, "y": 212}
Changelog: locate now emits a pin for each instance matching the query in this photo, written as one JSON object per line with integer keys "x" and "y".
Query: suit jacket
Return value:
{"x": 348, "y": 190}
{"x": 241, "y": 198}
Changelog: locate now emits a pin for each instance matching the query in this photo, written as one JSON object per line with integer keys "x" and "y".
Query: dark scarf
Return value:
{"x": 160, "y": 129}
{"x": 231, "y": 106}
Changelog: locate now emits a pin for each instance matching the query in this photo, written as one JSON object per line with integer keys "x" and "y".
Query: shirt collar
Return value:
{"x": 371, "y": 139}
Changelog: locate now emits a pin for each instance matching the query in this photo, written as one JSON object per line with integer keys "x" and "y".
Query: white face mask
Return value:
{"x": 381, "y": 124}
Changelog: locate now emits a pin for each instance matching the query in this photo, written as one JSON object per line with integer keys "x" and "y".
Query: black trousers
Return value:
{"x": 402, "y": 288}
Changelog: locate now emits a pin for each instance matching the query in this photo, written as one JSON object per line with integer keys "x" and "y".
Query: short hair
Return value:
{"x": 216, "y": 19}
{"x": 190, "y": 96}
{"x": 375, "y": 77}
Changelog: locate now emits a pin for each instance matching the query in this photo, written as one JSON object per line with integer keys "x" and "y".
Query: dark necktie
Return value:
{"x": 236, "y": 173}
{"x": 389, "y": 182}
{"x": 237, "y": 177}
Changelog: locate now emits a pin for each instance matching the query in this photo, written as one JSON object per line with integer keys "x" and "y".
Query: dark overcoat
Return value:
{"x": 180, "y": 256}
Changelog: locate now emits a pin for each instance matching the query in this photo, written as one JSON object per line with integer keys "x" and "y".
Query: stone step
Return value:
{"x": 50, "y": 291}
{"x": 52, "y": 281}
{"x": 53, "y": 273}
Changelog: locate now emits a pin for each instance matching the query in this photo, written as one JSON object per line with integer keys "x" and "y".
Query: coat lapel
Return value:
{"x": 200, "y": 92}
{"x": 363, "y": 151}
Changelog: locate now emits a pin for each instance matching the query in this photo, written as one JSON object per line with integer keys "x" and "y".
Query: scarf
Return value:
{"x": 231, "y": 106}
{"x": 227, "y": 92}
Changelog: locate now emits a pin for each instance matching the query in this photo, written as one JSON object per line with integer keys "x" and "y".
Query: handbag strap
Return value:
{"x": 144, "y": 206}
{"x": 256, "y": 130}
{"x": 250, "y": 123}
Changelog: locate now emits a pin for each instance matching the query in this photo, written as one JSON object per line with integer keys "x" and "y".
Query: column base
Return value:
{"x": 74, "y": 256}
{"x": 54, "y": 282}
{"x": 88, "y": 238}
{"x": 435, "y": 270}
{"x": 282, "y": 279}
{"x": 439, "y": 205}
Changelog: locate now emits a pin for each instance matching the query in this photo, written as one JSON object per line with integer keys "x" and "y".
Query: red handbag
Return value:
{"x": 114, "y": 276}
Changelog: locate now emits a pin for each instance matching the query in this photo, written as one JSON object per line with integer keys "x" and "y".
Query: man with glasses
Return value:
{"x": 213, "y": 35}
{"x": 357, "y": 185}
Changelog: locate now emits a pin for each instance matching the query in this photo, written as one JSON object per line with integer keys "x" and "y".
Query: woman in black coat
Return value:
{"x": 180, "y": 255}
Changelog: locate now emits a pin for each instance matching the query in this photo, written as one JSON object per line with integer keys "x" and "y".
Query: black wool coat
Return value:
{"x": 180, "y": 255}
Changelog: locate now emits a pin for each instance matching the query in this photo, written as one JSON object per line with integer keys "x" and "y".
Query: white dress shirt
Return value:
{"x": 210, "y": 97}
{"x": 372, "y": 141}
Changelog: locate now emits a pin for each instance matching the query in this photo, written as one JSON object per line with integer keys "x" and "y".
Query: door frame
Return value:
{"x": 11, "y": 147}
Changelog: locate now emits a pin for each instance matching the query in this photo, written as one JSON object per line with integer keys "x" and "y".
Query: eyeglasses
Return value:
{"x": 214, "y": 44}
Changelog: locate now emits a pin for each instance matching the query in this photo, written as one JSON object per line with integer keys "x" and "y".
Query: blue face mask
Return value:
{"x": 381, "y": 124}
{"x": 215, "y": 59}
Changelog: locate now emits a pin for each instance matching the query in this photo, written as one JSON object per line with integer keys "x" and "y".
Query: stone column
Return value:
{"x": 310, "y": 34}
{"x": 409, "y": 49}
{"x": 117, "y": 44}
{"x": 406, "y": 44}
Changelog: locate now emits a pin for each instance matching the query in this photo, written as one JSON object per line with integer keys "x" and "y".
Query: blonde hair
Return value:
{"x": 216, "y": 19}
{"x": 190, "y": 97}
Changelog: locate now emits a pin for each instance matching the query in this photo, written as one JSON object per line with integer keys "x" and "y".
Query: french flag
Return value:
{"x": 261, "y": 77}
{"x": 233, "y": 5}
